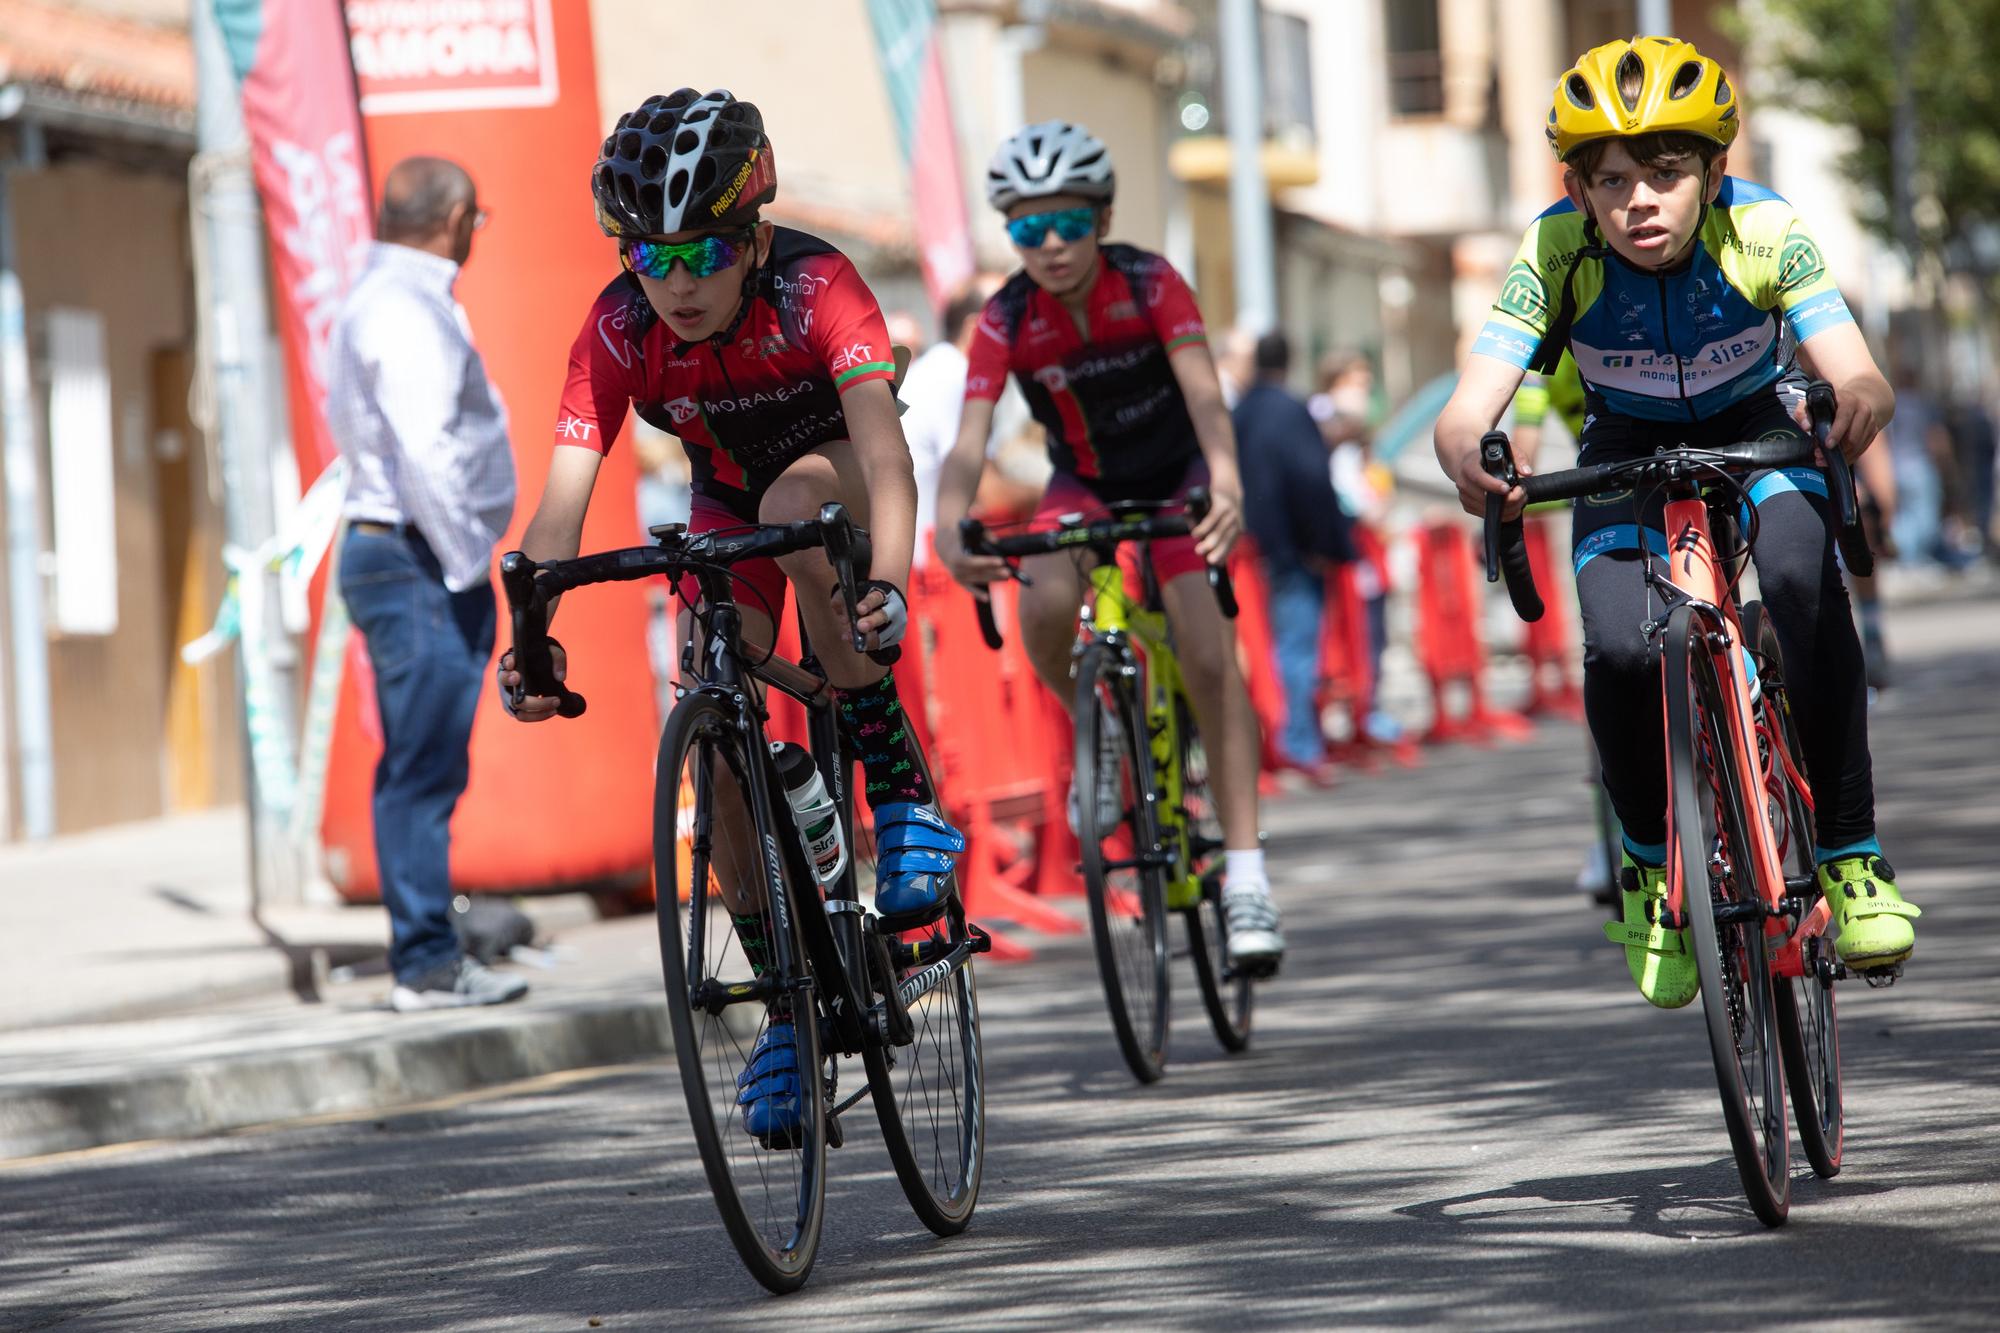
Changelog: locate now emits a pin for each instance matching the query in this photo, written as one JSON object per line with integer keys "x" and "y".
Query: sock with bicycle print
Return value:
{"x": 750, "y": 934}
{"x": 873, "y": 720}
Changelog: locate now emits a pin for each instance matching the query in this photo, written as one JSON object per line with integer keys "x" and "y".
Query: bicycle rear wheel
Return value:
{"x": 771, "y": 1200}
{"x": 1121, "y": 862}
{"x": 1710, "y": 853}
{"x": 1808, "y": 1027}
{"x": 1226, "y": 993}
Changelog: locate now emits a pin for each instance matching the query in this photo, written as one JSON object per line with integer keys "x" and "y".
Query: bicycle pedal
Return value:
{"x": 1258, "y": 969}
{"x": 1881, "y": 978}
{"x": 836, "y": 1137}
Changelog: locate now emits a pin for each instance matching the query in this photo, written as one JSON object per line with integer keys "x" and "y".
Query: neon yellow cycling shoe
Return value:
{"x": 1874, "y": 921}
{"x": 1658, "y": 958}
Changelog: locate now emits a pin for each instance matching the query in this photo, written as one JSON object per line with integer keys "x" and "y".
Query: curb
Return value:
{"x": 441, "y": 1054}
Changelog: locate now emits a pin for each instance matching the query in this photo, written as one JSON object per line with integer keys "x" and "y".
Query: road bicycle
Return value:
{"x": 730, "y": 861}
{"x": 1740, "y": 863}
{"x": 1146, "y": 818}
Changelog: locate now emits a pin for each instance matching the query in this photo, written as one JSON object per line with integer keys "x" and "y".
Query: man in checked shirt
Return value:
{"x": 432, "y": 490}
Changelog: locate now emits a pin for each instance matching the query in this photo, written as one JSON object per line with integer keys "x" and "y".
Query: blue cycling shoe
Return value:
{"x": 914, "y": 853}
{"x": 768, "y": 1088}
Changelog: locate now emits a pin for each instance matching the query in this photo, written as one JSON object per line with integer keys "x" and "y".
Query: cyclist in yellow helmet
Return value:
{"x": 1679, "y": 291}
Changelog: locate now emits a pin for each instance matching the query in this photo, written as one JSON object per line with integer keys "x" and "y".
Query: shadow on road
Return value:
{"x": 1455, "y": 1114}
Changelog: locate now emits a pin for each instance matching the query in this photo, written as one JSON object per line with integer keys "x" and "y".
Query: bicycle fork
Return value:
{"x": 1697, "y": 575}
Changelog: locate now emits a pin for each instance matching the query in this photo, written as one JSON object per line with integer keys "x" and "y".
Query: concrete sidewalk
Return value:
{"x": 139, "y": 997}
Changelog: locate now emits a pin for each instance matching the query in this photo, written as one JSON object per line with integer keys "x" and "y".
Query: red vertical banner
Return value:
{"x": 944, "y": 231}
{"x": 913, "y": 75}
{"x": 508, "y": 89}
{"x": 306, "y": 154}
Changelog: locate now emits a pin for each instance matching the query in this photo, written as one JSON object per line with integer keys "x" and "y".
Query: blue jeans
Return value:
{"x": 429, "y": 647}
{"x": 1298, "y": 601}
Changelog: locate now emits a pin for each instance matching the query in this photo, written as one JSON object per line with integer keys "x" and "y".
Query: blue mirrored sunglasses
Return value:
{"x": 1071, "y": 224}
{"x": 704, "y": 257}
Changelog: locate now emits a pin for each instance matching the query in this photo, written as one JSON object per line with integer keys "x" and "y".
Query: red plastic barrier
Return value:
{"x": 1552, "y": 687}
{"x": 1257, "y": 653}
{"x": 999, "y": 757}
{"x": 1449, "y": 642}
{"x": 1347, "y": 663}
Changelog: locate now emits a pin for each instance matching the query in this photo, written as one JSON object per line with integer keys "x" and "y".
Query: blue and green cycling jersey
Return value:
{"x": 1678, "y": 346}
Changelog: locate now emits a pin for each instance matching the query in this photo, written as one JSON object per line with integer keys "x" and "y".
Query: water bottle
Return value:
{"x": 813, "y": 808}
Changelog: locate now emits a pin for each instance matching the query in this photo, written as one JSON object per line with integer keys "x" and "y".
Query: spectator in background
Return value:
{"x": 1291, "y": 512}
{"x": 933, "y": 395}
{"x": 904, "y": 329}
{"x": 1234, "y": 368}
{"x": 433, "y": 488}
{"x": 1975, "y": 446}
{"x": 1344, "y": 407}
{"x": 1346, "y": 394}
{"x": 1917, "y": 440}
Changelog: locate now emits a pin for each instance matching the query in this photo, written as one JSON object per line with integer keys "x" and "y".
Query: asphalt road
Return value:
{"x": 1456, "y": 1113}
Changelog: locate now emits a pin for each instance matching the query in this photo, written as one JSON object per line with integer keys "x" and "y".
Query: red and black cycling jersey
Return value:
{"x": 746, "y": 410}
{"x": 1113, "y": 410}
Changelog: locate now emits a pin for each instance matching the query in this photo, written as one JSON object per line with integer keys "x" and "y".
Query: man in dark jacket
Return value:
{"x": 1289, "y": 508}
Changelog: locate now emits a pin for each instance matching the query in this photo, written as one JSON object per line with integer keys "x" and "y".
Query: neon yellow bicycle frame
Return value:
{"x": 1113, "y": 616}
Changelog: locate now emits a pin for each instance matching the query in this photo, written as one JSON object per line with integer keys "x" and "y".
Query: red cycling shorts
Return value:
{"x": 1070, "y": 494}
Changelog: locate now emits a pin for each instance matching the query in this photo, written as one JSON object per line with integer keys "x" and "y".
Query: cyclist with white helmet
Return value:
{"x": 1679, "y": 291}
{"x": 762, "y": 350}
{"x": 1109, "y": 349}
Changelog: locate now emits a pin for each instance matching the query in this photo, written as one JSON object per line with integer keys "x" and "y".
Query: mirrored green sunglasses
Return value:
{"x": 704, "y": 257}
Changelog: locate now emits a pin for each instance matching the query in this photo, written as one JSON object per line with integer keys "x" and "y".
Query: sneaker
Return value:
{"x": 1874, "y": 921}
{"x": 915, "y": 851}
{"x": 454, "y": 985}
{"x": 1255, "y": 943}
{"x": 768, "y": 1088}
{"x": 1658, "y": 958}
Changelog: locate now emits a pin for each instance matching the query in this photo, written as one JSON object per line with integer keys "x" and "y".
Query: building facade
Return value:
{"x": 112, "y": 527}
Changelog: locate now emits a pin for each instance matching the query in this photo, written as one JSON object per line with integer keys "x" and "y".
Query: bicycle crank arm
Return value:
{"x": 1150, "y": 861}
{"x": 889, "y": 1021}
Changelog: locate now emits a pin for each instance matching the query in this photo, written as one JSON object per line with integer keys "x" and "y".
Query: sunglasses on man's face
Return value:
{"x": 1071, "y": 224}
{"x": 703, "y": 258}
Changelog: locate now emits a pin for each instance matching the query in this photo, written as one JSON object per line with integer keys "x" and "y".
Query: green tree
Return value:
{"x": 1835, "y": 59}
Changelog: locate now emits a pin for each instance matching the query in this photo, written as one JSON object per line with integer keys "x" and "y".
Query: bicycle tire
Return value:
{"x": 1739, "y": 1006}
{"x": 930, "y": 1096}
{"x": 1226, "y": 994}
{"x": 1808, "y": 1020}
{"x": 1128, "y": 914}
{"x": 771, "y": 1201}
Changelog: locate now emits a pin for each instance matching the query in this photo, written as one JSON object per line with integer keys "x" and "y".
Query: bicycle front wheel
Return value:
{"x": 1711, "y": 856}
{"x": 719, "y": 952}
{"x": 930, "y": 1096}
{"x": 1808, "y": 1028}
{"x": 1122, "y": 863}
{"x": 1226, "y": 992}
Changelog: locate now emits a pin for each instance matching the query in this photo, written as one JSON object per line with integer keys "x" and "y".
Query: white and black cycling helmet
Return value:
{"x": 682, "y": 161}
{"x": 1054, "y": 157}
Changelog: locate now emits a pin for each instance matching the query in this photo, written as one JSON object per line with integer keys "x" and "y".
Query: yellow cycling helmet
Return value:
{"x": 1680, "y": 91}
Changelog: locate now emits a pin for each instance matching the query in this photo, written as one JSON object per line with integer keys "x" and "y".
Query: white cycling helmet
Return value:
{"x": 1054, "y": 157}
